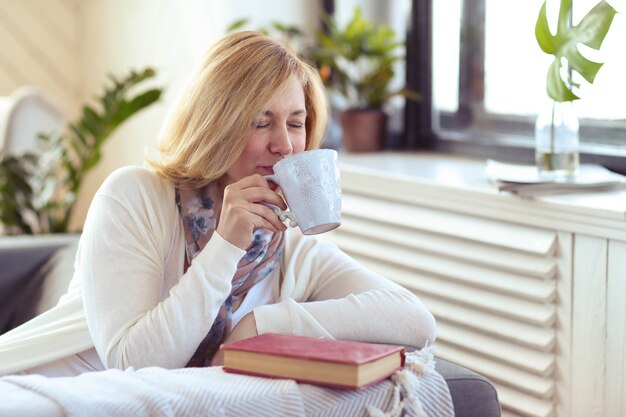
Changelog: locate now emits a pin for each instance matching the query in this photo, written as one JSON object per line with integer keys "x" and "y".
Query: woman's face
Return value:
{"x": 279, "y": 131}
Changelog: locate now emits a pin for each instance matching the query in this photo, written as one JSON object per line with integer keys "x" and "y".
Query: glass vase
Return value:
{"x": 557, "y": 141}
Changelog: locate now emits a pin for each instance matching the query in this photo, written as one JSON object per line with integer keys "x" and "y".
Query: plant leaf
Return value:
{"x": 139, "y": 102}
{"x": 542, "y": 32}
{"x": 47, "y": 191}
{"x": 556, "y": 87}
{"x": 590, "y": 31}
{"x": 236, "y": 25}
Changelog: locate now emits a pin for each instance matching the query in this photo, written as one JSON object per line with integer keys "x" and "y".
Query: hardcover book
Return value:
{"x": 328, "y": 362}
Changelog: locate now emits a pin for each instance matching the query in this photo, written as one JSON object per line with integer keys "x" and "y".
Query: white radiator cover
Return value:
{"x": 528, "y": 293}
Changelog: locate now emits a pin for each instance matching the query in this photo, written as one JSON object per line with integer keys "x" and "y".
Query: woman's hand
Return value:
{"x": 242, "y": 211}
{"x": 244, "y": 329}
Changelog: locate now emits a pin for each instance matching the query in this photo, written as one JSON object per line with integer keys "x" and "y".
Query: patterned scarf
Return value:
{"x": 200, "y": 209}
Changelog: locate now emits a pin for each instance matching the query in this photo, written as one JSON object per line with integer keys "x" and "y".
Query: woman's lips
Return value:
{"x": 266, "y": 170}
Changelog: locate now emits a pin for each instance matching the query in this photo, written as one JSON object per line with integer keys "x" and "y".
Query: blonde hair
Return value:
{"x": 207, "y": 130}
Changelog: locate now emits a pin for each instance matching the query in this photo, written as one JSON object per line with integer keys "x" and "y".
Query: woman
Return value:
{"x": 177, "y": 259}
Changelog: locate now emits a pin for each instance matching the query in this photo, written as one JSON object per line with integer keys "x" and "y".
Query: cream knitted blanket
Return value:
{"x": 417, "y": 391}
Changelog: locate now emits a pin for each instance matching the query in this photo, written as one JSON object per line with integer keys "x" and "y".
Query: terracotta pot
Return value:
{"x": 364, "y": 130}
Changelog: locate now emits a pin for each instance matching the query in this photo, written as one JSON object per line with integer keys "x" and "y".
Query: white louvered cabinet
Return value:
{"x": 529, "y": 293}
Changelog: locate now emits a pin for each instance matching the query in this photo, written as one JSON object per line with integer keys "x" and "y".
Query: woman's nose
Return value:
{"x": 281, "y": 142}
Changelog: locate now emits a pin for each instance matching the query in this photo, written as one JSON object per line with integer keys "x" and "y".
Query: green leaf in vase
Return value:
{"x": 590, "y": 31}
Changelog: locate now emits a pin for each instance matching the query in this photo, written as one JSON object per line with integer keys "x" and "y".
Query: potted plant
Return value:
{"x": 356, "y": 62}
{"x": 556, "y": 131}
{"x": 38, "y": 190}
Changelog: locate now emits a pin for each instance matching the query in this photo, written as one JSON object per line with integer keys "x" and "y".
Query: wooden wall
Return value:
{"x": 40, "y": 46}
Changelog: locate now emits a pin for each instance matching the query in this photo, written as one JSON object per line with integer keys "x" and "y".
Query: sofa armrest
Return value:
{"x": 21, "y": 257}
{"x": 472, "y": 394}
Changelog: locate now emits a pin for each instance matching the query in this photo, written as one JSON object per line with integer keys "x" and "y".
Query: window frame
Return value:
{"x": 516, "y": 143}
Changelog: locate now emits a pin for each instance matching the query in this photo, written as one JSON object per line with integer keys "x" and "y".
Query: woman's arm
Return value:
{"x": 326, "y": 293}
{"x": 121, "y": 264}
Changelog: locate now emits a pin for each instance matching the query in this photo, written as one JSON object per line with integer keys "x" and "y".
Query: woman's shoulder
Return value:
{"x": 131, "y": 182}
{"x": 134, "y": 199}
{"x": 133, "y": 176}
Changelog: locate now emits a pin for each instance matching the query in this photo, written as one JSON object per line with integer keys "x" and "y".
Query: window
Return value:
{"x": 482, "y": 78}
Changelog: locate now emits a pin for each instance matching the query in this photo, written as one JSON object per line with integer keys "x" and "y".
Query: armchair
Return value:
{"x": 23, "y": 115}
{"x": 24, "y": 266}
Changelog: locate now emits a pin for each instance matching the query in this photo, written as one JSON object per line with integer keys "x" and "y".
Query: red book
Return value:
{"x": 333, "y": 363}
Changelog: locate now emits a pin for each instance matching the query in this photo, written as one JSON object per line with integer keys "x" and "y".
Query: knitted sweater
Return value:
{"x": 131, "y": 301}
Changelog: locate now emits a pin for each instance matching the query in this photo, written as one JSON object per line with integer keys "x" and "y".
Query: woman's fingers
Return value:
{"x": 244, "y": 209}
{"x": 256, "y": 189}
{"x": 268, "y": 214}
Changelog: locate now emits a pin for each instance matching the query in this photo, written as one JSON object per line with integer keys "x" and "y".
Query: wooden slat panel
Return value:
{"x": 523, "y": 405}
{"x": 600, "y": 216}
{"x": 564, "y": 326}
{"x": 9, "y": 73}
{"x": 539, "y": 339}
{"x": 589, "y": 327}
{"x": 530, "y": 240}
{"x": 469, "y": 251}
{"x": 538, "y": 363}
{"x": 516, "y": 379}
{"x": 492, "y": 286}
{"x": 11, "y": 56}
{"x": 65, "y": 23}
{"x": 475, "y": 276}
{"x": 542, "y": 315}
{"x": 48, "y": 46}
{"x": 41, "y": 48}
{"x": 28, "y": 60}
{"x": 616, "y": 335}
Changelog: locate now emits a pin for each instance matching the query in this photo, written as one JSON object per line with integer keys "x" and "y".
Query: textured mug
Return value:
{"x": 311, "y": 185}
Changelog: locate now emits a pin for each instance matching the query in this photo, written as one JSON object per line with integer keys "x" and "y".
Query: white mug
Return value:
{"x": 311, "y": 185}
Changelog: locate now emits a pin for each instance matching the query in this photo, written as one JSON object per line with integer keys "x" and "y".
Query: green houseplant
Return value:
{"x": 556, "y": 132}
{"x": 38, "y": 190}
{"x": 356, "y": 61}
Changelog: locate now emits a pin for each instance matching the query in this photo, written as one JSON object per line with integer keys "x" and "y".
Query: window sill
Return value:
{"x": 519, "y": 148}
{"x": 459, "y": 184}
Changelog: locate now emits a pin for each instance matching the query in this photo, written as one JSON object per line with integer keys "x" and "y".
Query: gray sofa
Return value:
{"x": 23, "y": 267}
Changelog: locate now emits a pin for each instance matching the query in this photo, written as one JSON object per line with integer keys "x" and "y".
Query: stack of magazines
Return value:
{"x": 526, "y": 181}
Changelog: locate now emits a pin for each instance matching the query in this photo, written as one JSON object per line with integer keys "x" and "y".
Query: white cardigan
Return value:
{"x": 130, "y": 300}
